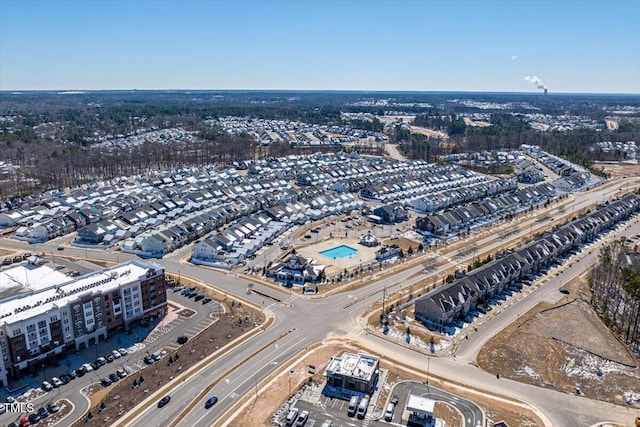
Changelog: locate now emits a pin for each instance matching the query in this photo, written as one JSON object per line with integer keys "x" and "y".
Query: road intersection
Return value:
{"x": 300, "y": 321}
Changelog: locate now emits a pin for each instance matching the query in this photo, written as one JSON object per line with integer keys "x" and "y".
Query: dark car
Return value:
{"x": 164, "y": 401}
{"x": 149, "y": 360}
{"x": 34, "y": 418}
{"x": 53, "y": 408}
{"x": 114, "y": 377}
{"x": 182, "y": 339}
{"x": 65, "y": 378}
{"x": 206, "y": 300}
{"x": 43, "y": 412}
{"x": 95, "y": 366}
{"x": 210, "y": 402}
{"x": 13, "y": 425}
{"x": 192, "y": 294}
{"x": 198, "y": 297}
{"x": 109, "y": 358}
{"x": 106, "y": 382}
{"x": 80, "y": 372}
{"x": 72, "y": 374}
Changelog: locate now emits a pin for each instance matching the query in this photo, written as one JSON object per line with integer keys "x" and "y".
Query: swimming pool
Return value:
{"x": 342, "y": 251}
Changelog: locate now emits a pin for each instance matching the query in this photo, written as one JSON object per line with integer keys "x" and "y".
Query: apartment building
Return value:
{"x": 57, "y": 316}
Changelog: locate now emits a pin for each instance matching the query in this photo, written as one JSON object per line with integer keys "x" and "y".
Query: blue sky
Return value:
{"x": 491, "y": 45}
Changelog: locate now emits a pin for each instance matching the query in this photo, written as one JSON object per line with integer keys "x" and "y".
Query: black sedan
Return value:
{"x": 164, "y": 401}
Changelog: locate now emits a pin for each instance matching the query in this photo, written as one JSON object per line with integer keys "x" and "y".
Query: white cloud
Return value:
{"x": 514, "y": 57}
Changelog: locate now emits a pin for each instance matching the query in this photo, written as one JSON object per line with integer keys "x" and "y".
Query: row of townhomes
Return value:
{"x": 231, "y": 213}
{"x": 572, "y": 176}
{"x": 269, "y": 131}
{"x": 441, "y": 307}
{"x": 155, "y": 214}
{"x": 60, "y": 313}
{"x": 489, "y": 209}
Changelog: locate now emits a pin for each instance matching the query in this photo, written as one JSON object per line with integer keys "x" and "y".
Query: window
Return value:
{"x": 31, "y": 328}
{"x": 54, "y": 318}
{"x": 67, "y": 329}
{"x": 17, "y": 332}
{"x": 65, "y": 321}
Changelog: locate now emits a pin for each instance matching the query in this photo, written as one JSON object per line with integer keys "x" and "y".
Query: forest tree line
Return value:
{"x": 615, "y": 287}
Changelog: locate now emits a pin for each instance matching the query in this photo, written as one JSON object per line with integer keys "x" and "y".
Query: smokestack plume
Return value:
{"x": 536, "y": 81}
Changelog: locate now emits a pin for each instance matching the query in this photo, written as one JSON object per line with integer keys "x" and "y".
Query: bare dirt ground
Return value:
{"x": 469, "y": 122}
{"x": 566, "y": 347}
{"x": 122, "y": 397}
{"x": 616, "y": 169}
{"x": 275, "y": 391}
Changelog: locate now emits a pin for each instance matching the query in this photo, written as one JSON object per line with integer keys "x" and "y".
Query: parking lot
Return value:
{"x": 322, "y": 408}
{"x": 186, "y": 317}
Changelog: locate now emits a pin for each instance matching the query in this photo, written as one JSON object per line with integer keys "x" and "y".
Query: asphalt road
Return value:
{"x": 313, "y": 320}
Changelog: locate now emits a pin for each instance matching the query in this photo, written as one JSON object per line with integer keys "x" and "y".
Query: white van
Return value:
{"x": 292, "y": 416}
{"x": 353, "y": 405}
{"x": 388, "y": 414}
{"x": 362, "y": 408}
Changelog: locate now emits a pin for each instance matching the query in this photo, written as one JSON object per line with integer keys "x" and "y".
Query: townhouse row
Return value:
{"x": 441, "y": 307}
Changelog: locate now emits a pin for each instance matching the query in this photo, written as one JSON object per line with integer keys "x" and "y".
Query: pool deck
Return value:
{"x": 365, "y": 254}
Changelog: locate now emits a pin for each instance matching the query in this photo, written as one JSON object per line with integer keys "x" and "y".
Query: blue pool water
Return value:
{"x": 342, "y": 251}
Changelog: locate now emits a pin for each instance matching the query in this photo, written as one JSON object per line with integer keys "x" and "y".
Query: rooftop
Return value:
{"x": 359, "y": 365}
{"x": 50, "y": 294}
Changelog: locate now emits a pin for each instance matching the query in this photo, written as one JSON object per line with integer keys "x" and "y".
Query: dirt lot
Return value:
{"x": 564, "y": 346}
{"x": 122, "y": 397}
{"x": 616, "y": 169}
{"x": 274, "y": 391}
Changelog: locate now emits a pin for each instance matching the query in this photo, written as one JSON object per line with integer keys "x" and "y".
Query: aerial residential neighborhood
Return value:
{"x": 319, "y": 214}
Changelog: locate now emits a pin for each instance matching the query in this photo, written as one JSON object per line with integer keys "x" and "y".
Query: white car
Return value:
{"x": 56, "y": 382}
{"x": 123, "y": 351}
{"x": 116, "y": 354}
{"x": 46, "y": 386}
{"x": 87, "y": 367}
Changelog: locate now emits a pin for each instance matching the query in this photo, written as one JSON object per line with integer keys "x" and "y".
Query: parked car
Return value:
{"x": 53, "y": 408}
{"x": 56, "y": 382}
{"x": 121, "y": 373}
{"x": 10, "y": 399}
{"x": 24, "y": 422}
{"x": 302, "y": 419}
{"x": 192, "y": 294}
{"x": 116, "y": 354}
{"x": 43, "y": 412}
{"x": 210, "y": 402}
{"x": 95, "y": 366}
{"x": 206, "y": 301}
{"x": 156, "y": 355}
{"x": 149, "y": 360}
{"x": 199, "y": 297}
{"x": 164, "y": 401}
{"x": 72, "y": 374}
{"x": 123, "y": 351}
{"x": 46, "y": 386}
{"x": 106, "y": 382}
{"x": 101, "y": 361}
{"x": 182, "y": 339}
{"x": 114, "y": 377}
{"x": 109, "y": 357}
{"x": 65, "y": 378}
{"x": 34, "y": 418}
{"x": 80, "y": 372}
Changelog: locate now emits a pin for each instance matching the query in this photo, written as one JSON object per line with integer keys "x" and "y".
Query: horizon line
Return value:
{"x": 84, "y": 91}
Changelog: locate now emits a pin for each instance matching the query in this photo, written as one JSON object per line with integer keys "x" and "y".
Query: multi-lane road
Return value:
{"x": 300, "y": 322}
